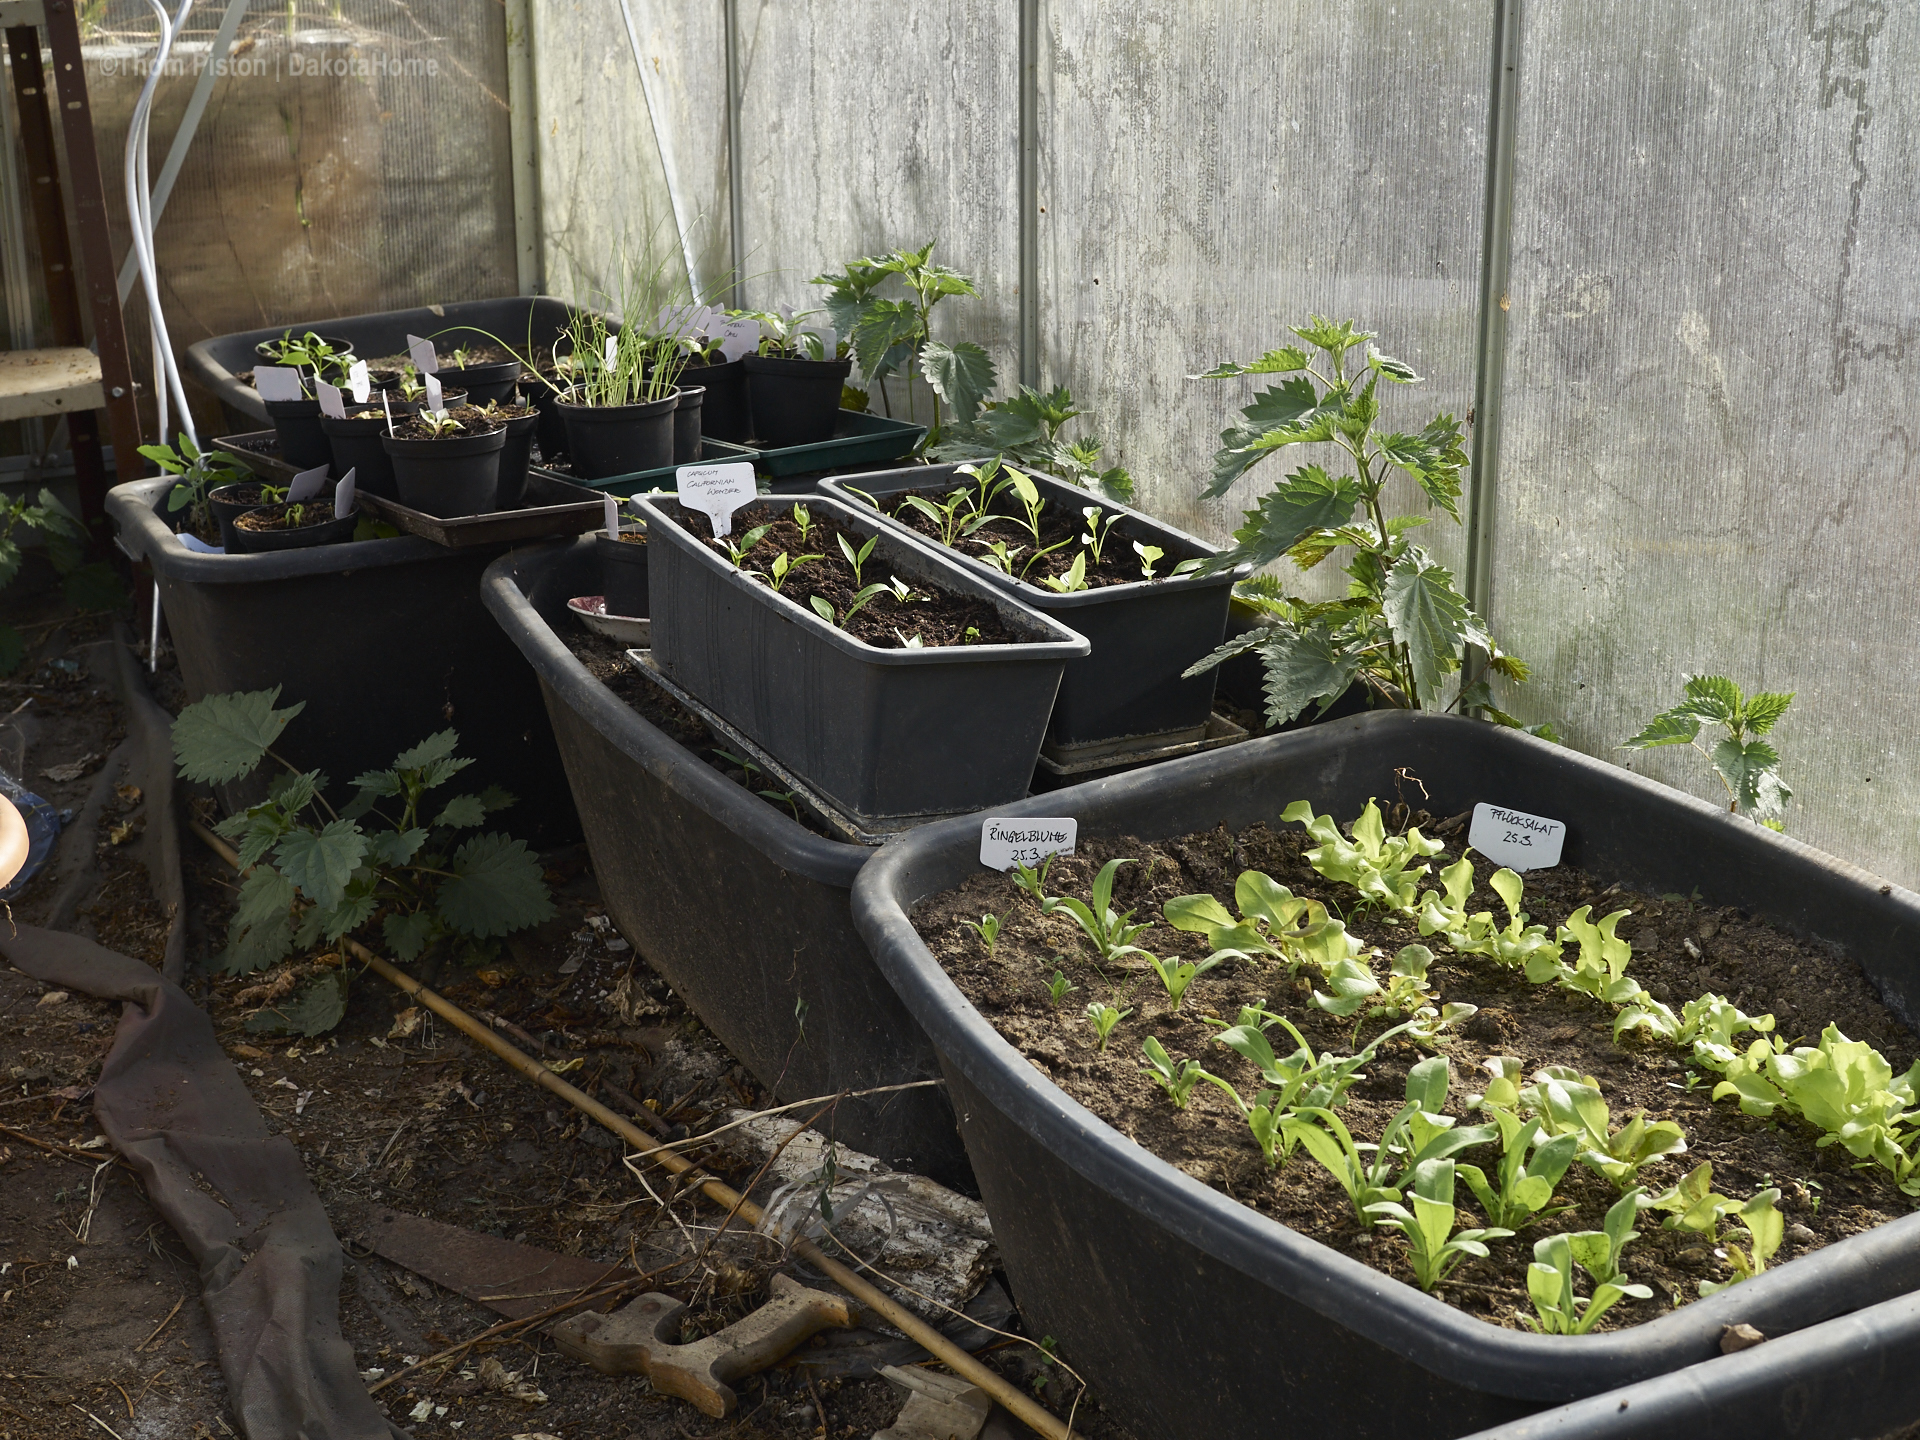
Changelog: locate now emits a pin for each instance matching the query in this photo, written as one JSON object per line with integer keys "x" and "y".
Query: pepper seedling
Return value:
{"x": 783, "y": 567}
{"x": 1001, "y": 557}
{"x": 802, "y": 521}
{"x": 1433, "y": 1248}
{"x": 824, "y": 607}
{"x": 1150, "y": 555}
{"x": 1098, "y": 530}
{"x": 1108, "y": 929}
{"x": 856, "y": 558}
{"x": 1104, "y": 1018}
{"x": 1075, "y": 578}
{"x": 738, "y": 550}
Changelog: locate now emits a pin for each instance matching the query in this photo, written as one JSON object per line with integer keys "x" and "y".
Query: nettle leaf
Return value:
{"x": 261, "y": 829}
{"x": 434, "y": 747}
{"x": 883, "y": 325}
{"x": 1670, "y": 728}
{"x": 320, "y": 1005}
{"x": 436, "y": 773}
{"x": 261, "y": 930}
{"x": 1434, "y": 458}
{"x": 354, "y": 909}
{"x": 1753, "y": 770}
{"x": 1711, "y": 697}
{"x": 1237, "y": 645}
{"x": 321, "y": 861}
{"x": 223, "y": 737}
{"x": 962, "y": 375}
{"x": 1763, "y": 711}
{"x": 294, "y": 791}
{"x": 93, "y": 586}
{"x": 394, "y": 848}
{"x": 1284, "y": 405}
{"x": 1429, "y": 617}
{"x": 1286, "y": 358}
{"x": 462, "y": 811}
{"x": 1309, "y": 501}
{"x": 1303, "y": 666}
{"x": 1232, "y": 459}
{"x": 1331, "y": 336}
{"x": 495, "y": 797}
{"x": 1395, "y": 370}
{"x": 496, "y": 888}
{"x": 408, "y": 935}
{"x": 378, "y": 783}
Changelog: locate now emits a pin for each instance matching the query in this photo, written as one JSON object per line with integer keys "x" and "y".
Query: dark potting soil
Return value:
{"x": 1681, "y": 949}
{"x": 883, "y": 622}
{"x": 475, "y": 355}
{"x": 312, "y": 512}
{"x": 471, "y": 418}
{"x": 1119, "y": 565}
{"x": 245, "y": 493}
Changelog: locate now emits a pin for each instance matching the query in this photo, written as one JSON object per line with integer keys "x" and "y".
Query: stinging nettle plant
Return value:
{"x": 1403, "y": 627}
{"x": 1747, "y": 766}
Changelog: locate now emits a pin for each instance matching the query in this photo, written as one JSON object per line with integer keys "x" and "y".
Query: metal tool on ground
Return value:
{"x": 1025, "y": 1409}
{"x": 939, "y": 1407}
{"x": 509, "y": 1279}
{"x": 638, "y": 1340}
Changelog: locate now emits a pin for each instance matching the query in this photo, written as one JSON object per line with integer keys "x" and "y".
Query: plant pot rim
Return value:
{"x": 1397, "y": 1316}
{"x": 1039, "y": 595}
{"x": 776, "y": 363}
{"x": 463, "y": 444}
{"x": 147, "y": 537}
{"x": 668, "y": 401}
{"x": 1062, "y": 643}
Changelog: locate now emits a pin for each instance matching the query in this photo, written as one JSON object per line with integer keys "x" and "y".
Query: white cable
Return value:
{"x": 140, "y": 220}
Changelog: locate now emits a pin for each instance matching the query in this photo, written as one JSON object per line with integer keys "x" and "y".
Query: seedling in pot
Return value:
{"x": 196, "y": 472}
{"x": 1107, "y": 928}
{"x": 783, "y": 568}
{"x": 1600, "y": 968}
{"x": 1098, "y": 531}
{"x": 1765, "y": 1230}
{"x": 1299, "y": 1080}
{"x": 1177, "y": 1080}
{"x": 1557, "y": 1309}
{"x": 857, "y": 558}
{"x": 1150, "y": 555}
{"x": 1571, "y": 1103}
{"x": 987, "y": 927}
{"x": 1104, "y": 1018}
{"x": 1058, "y": 989}
{"x": 1531, "y": 1165}
{"x": 1074, "y": 579}
{"x": 1433, "y": 1248}
{"x": 1747, "y": 767}
{"x": 948, "y": 517}
{"x": 738, "y": 550}
{"x": 803, "y": 522}
{"x": 1372, "y": 862}
{"x": 1001, "y": 556}
{"x": 824, "y": 608}
{"x": 1177, "y": 975}
{"x": 1034, "y": 504}
{"x": 310, "y": 353}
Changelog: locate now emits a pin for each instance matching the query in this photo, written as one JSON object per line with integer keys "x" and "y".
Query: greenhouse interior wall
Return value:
{"x": 1693, "y": 433}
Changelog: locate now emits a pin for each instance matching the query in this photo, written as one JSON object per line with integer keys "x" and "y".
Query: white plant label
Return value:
{"x": 718, "y": 490}
{"x": 197, "y": 545}
{"x": 612, "y": 356}
{"x": 359, "y": 383}
{"x": 1516, "y": 839}
{"x": 1005, "y": 842}
{"x": 277, "y": 382}
{"x": 436, "y": 397}
{"x": 613, "y": 517}
{"x": 421, "y": 353}
{"x": 829, "y": 341}
{"x": 306, "y": 485}
{"x": 343, "y": 495}
{"x": 387, "y": 408}
{"x": 330, "y": 400}
{"x": 738, "y": 337}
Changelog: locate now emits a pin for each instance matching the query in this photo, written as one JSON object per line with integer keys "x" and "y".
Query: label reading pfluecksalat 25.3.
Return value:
{"x": 1516, "y": 839}
{"x": 1003, "y": 841}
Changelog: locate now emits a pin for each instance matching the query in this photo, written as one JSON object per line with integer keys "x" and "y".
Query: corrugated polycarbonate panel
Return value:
{"x": 866, "y": 131}
{"x": 1212, "y": 173}
{"x": 1709, "y": 450}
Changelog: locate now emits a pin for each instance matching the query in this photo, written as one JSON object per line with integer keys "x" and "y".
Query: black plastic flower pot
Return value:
{"x": 550, "y": 434}
{"x": 331, "y": 531}
{"x": 483, "y": 382}
{"x": 303, "y": 444}
{"x": 385, "y": 641}
{"x": 1129, "y": 687}
{"x": 686, "y": 425}
{"x": 514, "y": 458}
{"x": 607, "y": 440}
{"x": 456, "y": 476}
{"x": 739, "y": 906}
{"x": 623, "y": 572}
{"x": 723, "y": 413}
{"x": 355, "y": 445}
{"x": 793, "y": 402}
{"x": 886, "y": 735}
{"x": 230, "y": 502}
{"x": 1098, "y": 1233}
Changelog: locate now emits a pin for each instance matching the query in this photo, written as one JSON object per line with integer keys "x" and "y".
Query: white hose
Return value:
{"x": 166, "y": 370}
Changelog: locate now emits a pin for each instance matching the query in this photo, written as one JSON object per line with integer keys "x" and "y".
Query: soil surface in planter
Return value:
{"x": 475, "y": 355}
{"x": 883, "y": 622}
{"x": 312, "y": 513}
{"x": 1119, "y": 565}
{"x": 1681, "y": 950}
{"x": 471, "y": 418}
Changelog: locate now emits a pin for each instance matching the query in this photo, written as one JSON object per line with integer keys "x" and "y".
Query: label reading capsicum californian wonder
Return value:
{"x": 1026, "y": 841}
{"x": 1516, "y": 839}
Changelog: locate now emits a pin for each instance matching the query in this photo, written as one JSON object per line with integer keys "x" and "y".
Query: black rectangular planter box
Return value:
{"x": 884, "y": 734}
{"x": 742, "y": 909}
{"x": 1142, "y": 636}
{"x": 1195, "y": 1317}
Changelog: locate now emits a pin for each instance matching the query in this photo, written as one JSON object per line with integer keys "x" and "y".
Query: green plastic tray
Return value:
{"x": 859, "y": 439}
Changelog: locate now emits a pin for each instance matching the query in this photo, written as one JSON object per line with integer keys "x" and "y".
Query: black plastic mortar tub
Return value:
{"x": 793, "y": 402}
{"x": 607, "y": 440}
{"x": 1143, "y": 635}
{"x": 458, "y": 475}
{"x": 742, "y": 909}
{"x": 886, "y": 735}
{"x": 385, "y": 640}
{"x": 1114, "y": 1251}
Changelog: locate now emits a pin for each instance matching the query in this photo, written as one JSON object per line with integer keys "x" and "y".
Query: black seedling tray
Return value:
{"x": 712, "y": 452}
{"x": 551, "y": 508}
{"x": 1144, "y": 750}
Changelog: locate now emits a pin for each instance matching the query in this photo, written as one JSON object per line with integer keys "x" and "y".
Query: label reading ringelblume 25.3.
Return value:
{"x": 1516, "y": 839}
{"x": 1004, "y": 841}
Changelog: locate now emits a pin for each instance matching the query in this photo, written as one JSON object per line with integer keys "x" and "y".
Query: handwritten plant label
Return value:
{"x": 330, "y": 400}
{"x": 436, "y": 397}
{"x": 829, "y": 341}
{"x": 613, "y": 517}
{"x": 277, "y": 382}
{"x": 306, "y": 485}
{"x": 1516, "y": 839}
{"x": 421, "y": 353}
{"x": 343, "y": 495}
{"x": 718, "y": 490}
{"x": 359, "y": 383}
{"x": 1028, "y": 841}
{"x": 738, "y": 337}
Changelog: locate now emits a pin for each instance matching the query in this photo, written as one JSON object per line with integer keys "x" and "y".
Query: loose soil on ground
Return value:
{"x": 1681, "y": 949}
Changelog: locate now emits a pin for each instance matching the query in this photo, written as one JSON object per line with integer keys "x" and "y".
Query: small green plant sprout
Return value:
{"x": 1518, "y": 943}
{"x": 1177, "y": 975}
{"x": 1177, "y": 1080}
{"x": 1765, "y": 1230}
{"x": 857, "y": 558}
{"x": 1694, "y": 1205}
{"x": 802, "y": 521}
{"x": 1600, "y": 968}
{"x": 1373, "y": 862}
{"x": 1273, "y": 922}
{"x": 196, "y": 472}
{"x": 1108, "y": 929}
{"x": 1531, "y": 1165}
{"x": 1034, "y": 505}
{"x": 1557, "y": 1309}
{"x": 1406, "y": 992}
{"x": 783, "y": 567}
{"x": 1099, "y": 530}
{"x": 989, "y": 483}
{"x": 1747, "y": 766}
{"x": 1570, "y": 1103}
{"x": 1104, "y": 1018}
{"x": 915, "y": 641}
{"x": 987, "y": 927}
{"x": 1074, "y": 580}
{"x": 1034, "y": 882}
{"x": 739, "y": 549}
{"x": 1058, "y": 988}
{"x": 1503, "y": 1088}
{"x": 1301, "y": 1079}
{"x": 439, "y": 423}
{"x": 1433, "y": 1247}
{"x": 1001, "y": 557}
{"x": 1444, "y": 911}
{"x": 1708, "y": 1023}
{"x": 1352, "y": 984}
{"x": 948, "y": 517}
{"x": 1150, "y": 555}
{"x": 1366, "y": 1177}
{"x": 1421, "y": 1130}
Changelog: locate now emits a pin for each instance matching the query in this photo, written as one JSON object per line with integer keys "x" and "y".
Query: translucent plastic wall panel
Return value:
{"x": 869, "y": 129}
{"x": 1710, "y": 444}
{"x": 1212, "y": 173}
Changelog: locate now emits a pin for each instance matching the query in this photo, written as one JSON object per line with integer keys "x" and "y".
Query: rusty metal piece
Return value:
{"x": 635, "y": 1341}
{"x": 513, "y": 1280}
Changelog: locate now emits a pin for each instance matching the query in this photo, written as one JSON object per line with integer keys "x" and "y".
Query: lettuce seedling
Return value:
{"x": 1442, "y": 912}
{"x": 1693, "y": 1204}
{"x": 1432, "y": 1246}
{"x": 1531, "y": 1165}
{"x": 1302, "y": 1079}
{"x": 1571, "y": 1103}
{"x": 1708, "y": 1024}
{"x": 1519, "y": 943}
{"x": 1273, "y": 922}
{"x": 1177, "y": 1080}
{"x": 1104, "y": 1018}
{"x": 1550, "y": 1286}
{"x": 987, "y": 927}
{"x": 1600, "y": 968}
{"x": 1765, "y": 1230}
{"x": 1373, "y": 862}
{"x": 1108, "y": 929}
{"x": 1177, "y": 975}
{"x": 1405, "y": 993}
{"x": 1058, "y": 989}
{"x": 1421, "y": 1131}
